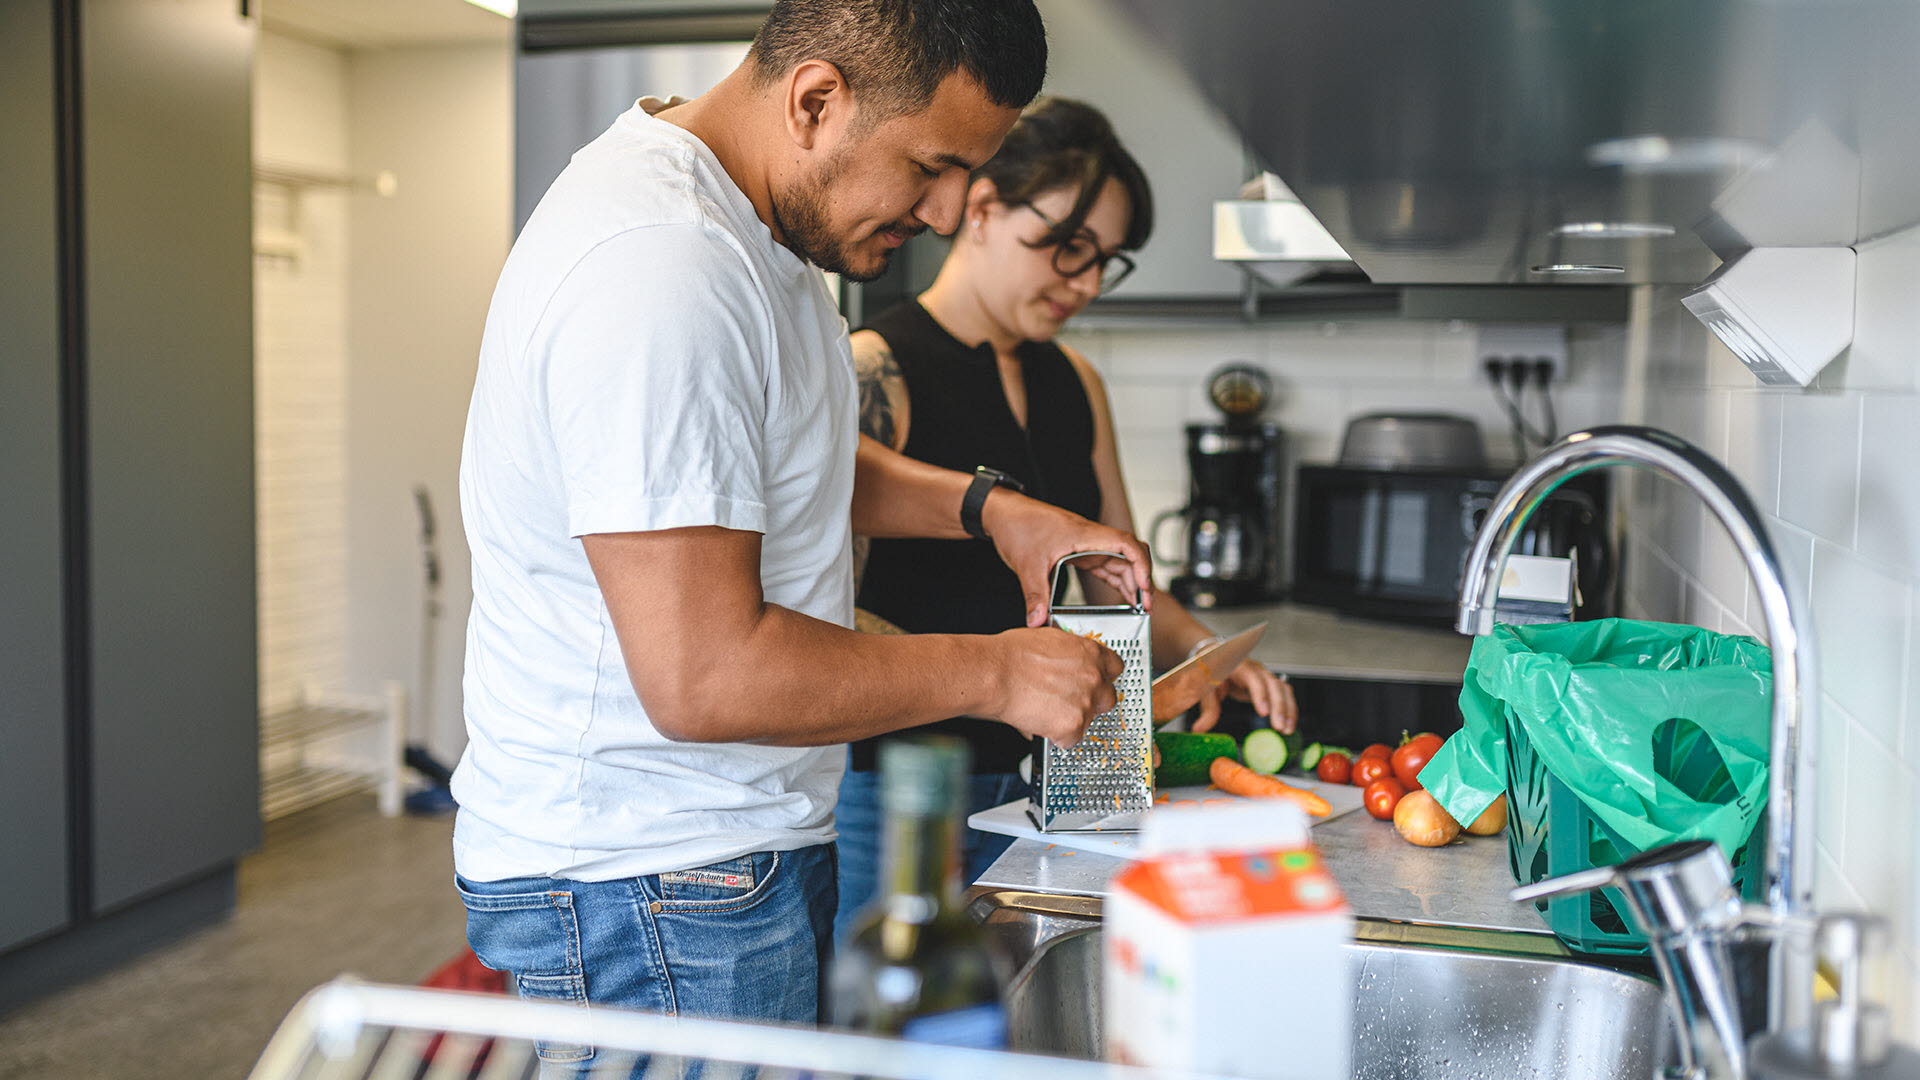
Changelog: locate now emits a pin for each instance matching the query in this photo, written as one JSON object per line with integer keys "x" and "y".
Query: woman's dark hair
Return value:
{"x": 894, "y": 53}
{"x": 1060, "y": 142}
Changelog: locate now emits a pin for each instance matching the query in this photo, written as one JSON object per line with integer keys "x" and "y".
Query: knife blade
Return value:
{"x": 1183, "y": 685}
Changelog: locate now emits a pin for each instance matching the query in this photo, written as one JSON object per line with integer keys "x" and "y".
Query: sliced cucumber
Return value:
{"x": 1186, "y": 758}
{"x": 1311, "y": 756}
{"x": 1264, "y": 751}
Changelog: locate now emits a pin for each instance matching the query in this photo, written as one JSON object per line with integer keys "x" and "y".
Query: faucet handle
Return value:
{"x": 1600, "y": 877}
{"x": 1672, "y": 888}
{"x": 1850, "y": 1031}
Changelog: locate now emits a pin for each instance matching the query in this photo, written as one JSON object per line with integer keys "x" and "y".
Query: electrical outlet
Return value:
{"x": 1527, "y": 343}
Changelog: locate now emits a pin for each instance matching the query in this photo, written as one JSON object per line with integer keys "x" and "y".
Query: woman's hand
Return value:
{"x": 1271, "y": 697}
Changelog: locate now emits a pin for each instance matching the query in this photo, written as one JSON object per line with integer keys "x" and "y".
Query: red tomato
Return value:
{"x": 1369, "y": 769}
{"x": 1379, "y": 750}
{"x": 1413, "y": 756}
{"x": 1382, "y": 796}
{"x": 1334, "y": 768}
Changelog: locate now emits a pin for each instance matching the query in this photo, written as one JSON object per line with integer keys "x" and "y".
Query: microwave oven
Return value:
{"x": 1393, "y": 543}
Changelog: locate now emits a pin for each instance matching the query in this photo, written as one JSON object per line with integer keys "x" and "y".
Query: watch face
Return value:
{"x": 998, "y": 477}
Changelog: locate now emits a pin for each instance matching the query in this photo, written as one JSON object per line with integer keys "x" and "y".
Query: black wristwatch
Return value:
{"x": 985, "y": 479}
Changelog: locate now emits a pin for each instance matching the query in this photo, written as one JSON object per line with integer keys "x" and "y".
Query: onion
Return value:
{"x": 1421, "y": 820}
{"x": 1491, "y": 820}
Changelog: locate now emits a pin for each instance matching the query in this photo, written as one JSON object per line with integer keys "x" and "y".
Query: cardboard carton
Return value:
{"x": 1226, "y": 949}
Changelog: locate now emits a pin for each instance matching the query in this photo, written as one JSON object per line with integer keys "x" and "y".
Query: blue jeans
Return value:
{"x": 744, "y": 939}
{"x": 860, "y": 824}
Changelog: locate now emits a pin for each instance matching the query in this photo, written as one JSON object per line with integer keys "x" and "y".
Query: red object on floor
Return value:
{"x": 463, "y": 972}
{"x": 466, "y": 972}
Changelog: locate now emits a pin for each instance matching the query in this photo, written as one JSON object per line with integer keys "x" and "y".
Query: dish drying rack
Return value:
{"x": 350, "y": 1030}
{"x": 320, "y": 747}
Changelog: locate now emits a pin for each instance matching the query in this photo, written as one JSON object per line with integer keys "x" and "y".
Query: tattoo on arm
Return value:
{"x": 881, "y": 382}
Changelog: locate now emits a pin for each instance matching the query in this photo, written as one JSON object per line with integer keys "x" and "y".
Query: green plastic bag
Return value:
{"x": 1662, "y": 731}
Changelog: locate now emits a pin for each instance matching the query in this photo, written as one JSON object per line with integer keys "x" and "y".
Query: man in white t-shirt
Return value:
{"x": 660, "y": 458}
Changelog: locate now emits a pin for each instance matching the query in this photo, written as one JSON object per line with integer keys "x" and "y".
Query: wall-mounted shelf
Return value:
{"x": 297, "y": 178}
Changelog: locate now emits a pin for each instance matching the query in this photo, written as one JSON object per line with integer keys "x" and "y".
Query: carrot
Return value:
{"x": 1236, "y": 779}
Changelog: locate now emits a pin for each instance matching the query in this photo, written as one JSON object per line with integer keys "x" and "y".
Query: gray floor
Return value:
{"x": 334, "y": 889}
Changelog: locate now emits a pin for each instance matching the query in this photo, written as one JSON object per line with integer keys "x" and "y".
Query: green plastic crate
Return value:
{"x": 1550, "y": 832}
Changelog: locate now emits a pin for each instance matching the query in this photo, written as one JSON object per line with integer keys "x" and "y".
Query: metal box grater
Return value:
{"x": 1106, "y": 782}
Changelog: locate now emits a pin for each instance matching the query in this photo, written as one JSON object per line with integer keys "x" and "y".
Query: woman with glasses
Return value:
{"x": 968, "y": 376}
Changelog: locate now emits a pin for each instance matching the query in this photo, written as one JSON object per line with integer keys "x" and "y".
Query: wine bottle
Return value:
{"x": 916, "y": 966}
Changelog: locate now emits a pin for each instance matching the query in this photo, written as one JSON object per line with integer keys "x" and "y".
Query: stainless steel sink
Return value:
{"x": 1420, "y": 1012}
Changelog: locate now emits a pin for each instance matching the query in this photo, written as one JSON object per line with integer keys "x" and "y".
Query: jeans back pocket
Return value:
{"x": 535, "y": 935}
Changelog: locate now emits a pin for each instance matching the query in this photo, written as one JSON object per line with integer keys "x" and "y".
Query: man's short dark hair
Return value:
{"x": 895, "y": 53}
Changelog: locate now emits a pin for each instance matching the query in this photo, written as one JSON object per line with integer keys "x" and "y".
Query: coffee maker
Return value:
{"x": 1232, "y": 518}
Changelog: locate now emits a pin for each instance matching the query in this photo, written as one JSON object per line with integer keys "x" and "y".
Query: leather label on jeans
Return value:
{"x": 718, "y": 879}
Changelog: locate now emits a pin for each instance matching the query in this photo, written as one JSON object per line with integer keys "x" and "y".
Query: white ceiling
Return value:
{"x": 374, "y": 24}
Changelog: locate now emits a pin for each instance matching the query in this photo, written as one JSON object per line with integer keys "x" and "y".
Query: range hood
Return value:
{"x": 1268, "y": 233}
{"x": 1567, "y": 141}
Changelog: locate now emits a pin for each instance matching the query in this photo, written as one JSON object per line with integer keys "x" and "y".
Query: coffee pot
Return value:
{"x": 1233, "y": 536}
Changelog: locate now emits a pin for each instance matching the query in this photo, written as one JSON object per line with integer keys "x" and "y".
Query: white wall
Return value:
{"x": 1324, "y": 373}
{"x": 424, "y": 266}
{"x": 1833, "y": 466}
{"x": 300, "y": 368}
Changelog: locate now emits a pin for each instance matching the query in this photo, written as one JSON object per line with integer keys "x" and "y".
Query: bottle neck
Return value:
{"x": 922, "y": 859}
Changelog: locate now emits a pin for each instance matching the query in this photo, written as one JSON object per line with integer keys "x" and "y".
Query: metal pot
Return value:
{"x": 1413, "y": 441}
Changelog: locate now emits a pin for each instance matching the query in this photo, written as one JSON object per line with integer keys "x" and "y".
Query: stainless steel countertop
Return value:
{"x": 1383, "y": 876}
{"x": 1313, "y": 641}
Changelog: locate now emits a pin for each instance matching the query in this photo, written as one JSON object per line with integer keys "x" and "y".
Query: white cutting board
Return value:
{"x": 1010, "y": 819}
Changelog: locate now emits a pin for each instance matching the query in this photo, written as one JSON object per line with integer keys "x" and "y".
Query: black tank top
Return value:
{"x": 960, "y": 419}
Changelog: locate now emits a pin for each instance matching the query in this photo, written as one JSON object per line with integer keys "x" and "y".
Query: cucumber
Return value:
{"x": 1265, "y": 751}
{"x": 1311, "y": 756}
{"x": 1185, "y": 758}
{"x": 1295, "y": 744}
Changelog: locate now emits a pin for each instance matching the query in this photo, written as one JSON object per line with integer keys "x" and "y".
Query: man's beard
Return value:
{"x": 802, "y": 219}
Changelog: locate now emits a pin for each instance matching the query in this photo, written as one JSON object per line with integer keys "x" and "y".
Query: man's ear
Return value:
{"x": 817, "y": 99}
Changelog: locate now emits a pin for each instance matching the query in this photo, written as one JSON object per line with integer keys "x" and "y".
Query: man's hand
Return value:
{"x": 1031, "y": 536}
{"x": 1271, "y": 697}
{"x": 1055, "y": 683}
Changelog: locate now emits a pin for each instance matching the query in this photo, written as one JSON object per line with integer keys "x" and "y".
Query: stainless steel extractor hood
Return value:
{"x": 1545, "y": 141}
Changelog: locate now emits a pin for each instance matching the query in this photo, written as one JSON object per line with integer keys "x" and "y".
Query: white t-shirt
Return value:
{"x": 652, "y": 360}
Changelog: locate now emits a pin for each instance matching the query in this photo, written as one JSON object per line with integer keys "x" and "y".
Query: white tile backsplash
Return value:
{"x": 1159, "y": 353}
{"x": 1886, "y": 334}
{"x": 1889, "y": 515}
{"x": 1390, "y": 350}
{"x": 1878, "y": 810}
{"x": 1820, "y": 464}
{"x": 1751, "y": 432}
{"x": 1861, "y": 614}
{"x": 1831, "y": 766}
{"x": 1910, "y": 726}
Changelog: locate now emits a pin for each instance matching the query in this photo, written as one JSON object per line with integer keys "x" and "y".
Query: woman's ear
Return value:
{"x": 982, "y": 197}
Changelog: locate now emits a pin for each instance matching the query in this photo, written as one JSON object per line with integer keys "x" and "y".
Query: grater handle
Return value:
{"x": 1054, "y": 589}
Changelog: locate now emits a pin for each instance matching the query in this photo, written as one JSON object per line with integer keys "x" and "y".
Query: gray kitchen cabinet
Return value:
{"x": 169, "y": 442}
{"x": 33, "y": 742}
{"x": 128, "y": 735}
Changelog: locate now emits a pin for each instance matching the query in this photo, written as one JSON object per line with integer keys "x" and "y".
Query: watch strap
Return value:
{"x": 985, "y": 479}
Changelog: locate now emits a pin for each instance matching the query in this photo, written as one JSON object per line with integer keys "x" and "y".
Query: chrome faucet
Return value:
{"x": 1682, "y": 897}
{"x": 1790, "y": 783}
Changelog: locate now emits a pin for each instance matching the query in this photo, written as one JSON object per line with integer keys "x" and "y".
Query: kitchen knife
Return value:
{"x": 1182, "y": 686}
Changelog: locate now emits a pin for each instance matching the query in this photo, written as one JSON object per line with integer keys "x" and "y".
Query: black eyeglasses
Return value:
{"x": 1078, "y": 253}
